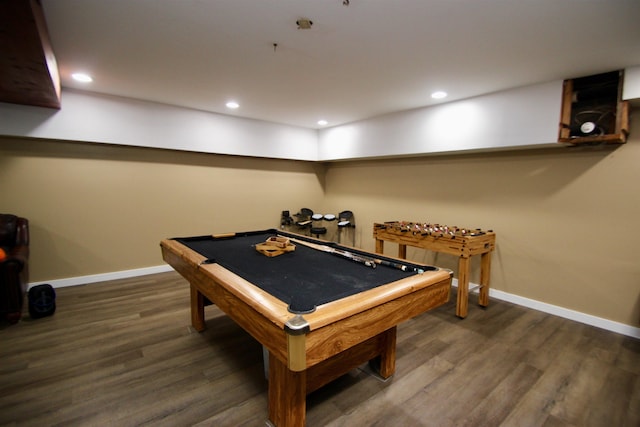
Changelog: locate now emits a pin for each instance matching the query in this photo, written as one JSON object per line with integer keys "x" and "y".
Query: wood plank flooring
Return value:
{"x": 122, "y": 353}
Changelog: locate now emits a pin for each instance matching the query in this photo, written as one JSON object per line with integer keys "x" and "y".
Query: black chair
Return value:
{"x": 285, "y": 219}
{"x": 303, "y": 221}
{"x": 14, "y": 268}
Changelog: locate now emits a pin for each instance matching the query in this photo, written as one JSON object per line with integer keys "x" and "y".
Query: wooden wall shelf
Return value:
{"x": 593, "y": 111}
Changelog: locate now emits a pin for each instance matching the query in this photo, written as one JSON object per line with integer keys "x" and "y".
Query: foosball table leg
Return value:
{"x": 485, "y": 273}
{"x": 402, "y": 251}
{"x": 462, "y": 304}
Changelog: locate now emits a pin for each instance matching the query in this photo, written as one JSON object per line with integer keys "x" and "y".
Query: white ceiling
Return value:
{"x": 358, "y": 61}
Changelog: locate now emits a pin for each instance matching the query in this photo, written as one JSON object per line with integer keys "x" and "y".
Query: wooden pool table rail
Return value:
{"x": 338, "y": 336}
{"x": 265, "y": 317}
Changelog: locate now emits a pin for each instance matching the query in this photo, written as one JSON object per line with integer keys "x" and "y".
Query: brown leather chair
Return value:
{"x": 14, "y": 269}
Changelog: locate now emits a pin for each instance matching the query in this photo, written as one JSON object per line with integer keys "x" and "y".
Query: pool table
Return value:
{"x": 318, "y": 312}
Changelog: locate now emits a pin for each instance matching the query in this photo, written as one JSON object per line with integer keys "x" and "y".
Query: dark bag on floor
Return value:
{"x": 42, "y": 301}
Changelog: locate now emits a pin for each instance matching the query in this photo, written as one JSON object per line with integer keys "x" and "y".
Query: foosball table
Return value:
{"x": 462, "y": 242}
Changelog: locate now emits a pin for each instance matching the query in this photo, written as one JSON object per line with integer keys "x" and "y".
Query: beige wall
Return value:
{"x": 566, "y": 219}
{"x": 102, "y": 208}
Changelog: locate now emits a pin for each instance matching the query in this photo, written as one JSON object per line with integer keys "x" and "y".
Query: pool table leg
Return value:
{"x": 197, "y": 309}
{"x": 388, "y": 355}
{"x": 287, "y": 395}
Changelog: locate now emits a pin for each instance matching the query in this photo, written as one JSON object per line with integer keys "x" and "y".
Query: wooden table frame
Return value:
{"x": 308, "y": 351}
{"x": 462, "y": 246}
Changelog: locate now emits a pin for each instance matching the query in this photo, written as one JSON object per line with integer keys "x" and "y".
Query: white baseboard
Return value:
{"x": 555, "y": 310}
{"x": 94, "y": 278}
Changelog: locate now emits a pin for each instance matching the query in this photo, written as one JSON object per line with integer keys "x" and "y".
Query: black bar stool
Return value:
{"x": 318, "y": 231}
{"x": 345, "y": 220}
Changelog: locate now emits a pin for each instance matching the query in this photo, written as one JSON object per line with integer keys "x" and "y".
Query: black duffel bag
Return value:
{"x": 42, "y": 301}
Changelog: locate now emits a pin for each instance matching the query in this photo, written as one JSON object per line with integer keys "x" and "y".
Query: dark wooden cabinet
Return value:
{"x": 593, "y": 111}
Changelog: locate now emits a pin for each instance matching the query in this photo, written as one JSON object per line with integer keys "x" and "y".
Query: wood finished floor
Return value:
{"x": 122, "y": 353}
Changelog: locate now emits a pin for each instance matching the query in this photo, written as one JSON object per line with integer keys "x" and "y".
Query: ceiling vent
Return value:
{"x": 304, "y": 24}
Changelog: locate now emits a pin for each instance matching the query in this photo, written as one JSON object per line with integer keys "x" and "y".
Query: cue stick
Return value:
{"x": 397, "y": 265}
{"x": 369, "y": 262}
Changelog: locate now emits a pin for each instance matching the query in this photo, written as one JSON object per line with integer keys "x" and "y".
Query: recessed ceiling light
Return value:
{"x": 322, "y": 122}
{"x": 439, "y": 94}
{"x": 82, "y": 77}
{"x": 233, "y": 105}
